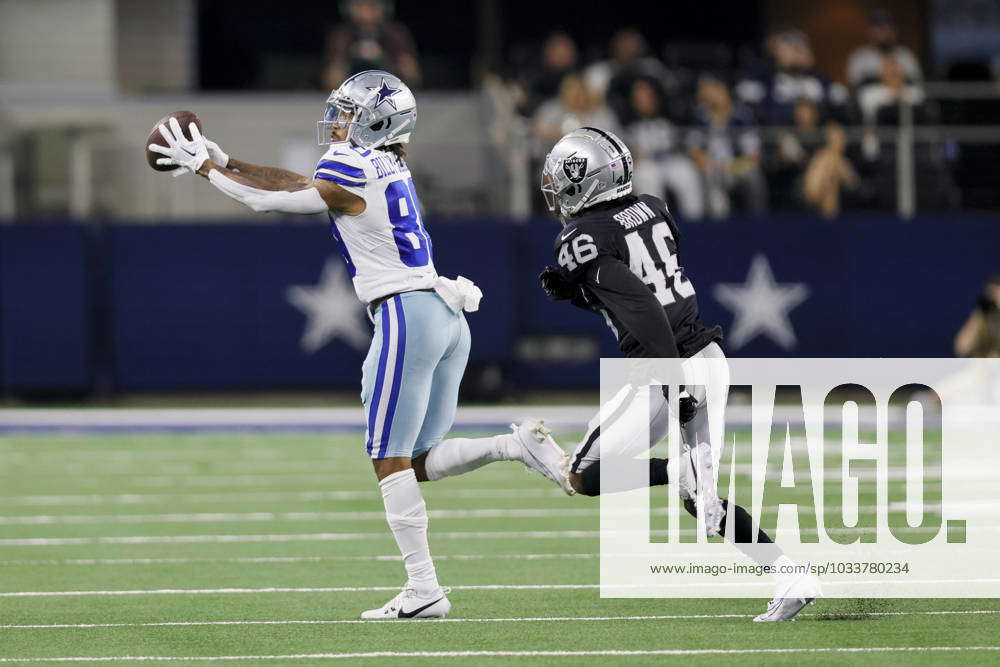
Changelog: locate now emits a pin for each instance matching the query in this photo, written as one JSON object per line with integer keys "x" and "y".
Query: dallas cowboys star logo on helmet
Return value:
{"x": 384, "y": 93}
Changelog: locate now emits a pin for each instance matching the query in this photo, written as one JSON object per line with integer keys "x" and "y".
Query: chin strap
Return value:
{"x": 583, "y": 199}
{"x": 301, "y": 201}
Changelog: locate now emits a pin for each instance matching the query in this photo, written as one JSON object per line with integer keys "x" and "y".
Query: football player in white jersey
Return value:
{"x": 418, "y": 354}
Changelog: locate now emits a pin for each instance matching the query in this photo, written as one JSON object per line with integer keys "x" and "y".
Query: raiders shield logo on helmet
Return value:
{"x": 575, "y": 168}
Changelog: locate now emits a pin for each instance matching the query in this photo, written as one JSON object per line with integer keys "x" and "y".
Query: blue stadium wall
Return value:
{"x": 127, "y": 308}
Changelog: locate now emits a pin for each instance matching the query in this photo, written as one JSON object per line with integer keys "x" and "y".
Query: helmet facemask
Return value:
{"x": 562, "y": 195}
{"x": 549, "y": 191}
{"x": 340, "y": 113}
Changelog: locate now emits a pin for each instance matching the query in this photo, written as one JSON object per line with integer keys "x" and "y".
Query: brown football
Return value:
{"x": 185, "y": 118}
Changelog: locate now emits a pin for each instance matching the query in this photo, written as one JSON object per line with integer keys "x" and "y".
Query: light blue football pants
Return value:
{"x": 410, "y": 378}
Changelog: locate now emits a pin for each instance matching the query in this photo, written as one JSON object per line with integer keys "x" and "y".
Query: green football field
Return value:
{"x": 264, "y": 547}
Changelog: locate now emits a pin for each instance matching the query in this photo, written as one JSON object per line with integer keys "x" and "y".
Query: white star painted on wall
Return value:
{"x": 761, "y": 306}
{"x": 332, "y": 310}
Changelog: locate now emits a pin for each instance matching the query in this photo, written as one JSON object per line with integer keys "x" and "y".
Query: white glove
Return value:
{"x": 216, "y": 154}
{"x": 181, "y": 151}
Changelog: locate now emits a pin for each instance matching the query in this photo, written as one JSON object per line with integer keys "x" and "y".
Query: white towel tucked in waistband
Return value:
{"x": 460, "y": 294}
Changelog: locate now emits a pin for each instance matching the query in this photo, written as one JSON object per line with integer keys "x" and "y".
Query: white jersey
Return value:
{"x": 386, "y": 247}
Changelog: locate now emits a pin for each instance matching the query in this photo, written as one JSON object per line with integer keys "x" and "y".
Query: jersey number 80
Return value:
{"x": 403, "y": 207}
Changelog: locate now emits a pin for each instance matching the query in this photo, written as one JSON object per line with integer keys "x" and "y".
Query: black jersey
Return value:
{"x": 624, "y": 257}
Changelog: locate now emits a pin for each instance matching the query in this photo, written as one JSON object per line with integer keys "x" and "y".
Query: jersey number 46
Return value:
{"x": 664, "y": 277}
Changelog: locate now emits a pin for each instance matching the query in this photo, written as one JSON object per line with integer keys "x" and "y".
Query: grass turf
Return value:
{"x": 78, "y": 488}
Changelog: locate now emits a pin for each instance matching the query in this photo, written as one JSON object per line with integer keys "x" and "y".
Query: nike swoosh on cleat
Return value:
{"x": 411, "y": 614}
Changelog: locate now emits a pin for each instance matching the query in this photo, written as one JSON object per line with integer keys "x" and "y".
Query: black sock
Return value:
{"x": 657, "y": 472}
{"x": 765, "y": 551}
{"x": 590, "y": 478}
{"x": 743, "y": 528}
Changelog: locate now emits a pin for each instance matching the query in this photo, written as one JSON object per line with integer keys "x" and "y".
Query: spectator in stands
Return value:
{"x": 541, "y": 82}
{"x": 883, "y": 74}
{"x": 612, "y": 79}
{"x": 369, "y": 40}
{"x": 660, "y": 163}
{"x": 575, "y": 107}
{"x": 980, "y": 335}
{"x": 773, "y": 91}
{"x": 978, "y": 384}
{"x": 879, "y": 102}
{"x": 790, "y": 155}
{"x": 866, "y": 64}
{"x": 828, "y": 173}
{"x": 726, "y": 148}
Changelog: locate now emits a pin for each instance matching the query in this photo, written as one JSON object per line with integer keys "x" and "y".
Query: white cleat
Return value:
{"x": 801, "y": 591}
{"x": 407, "y": 604}
{"x": 540, "y": 452}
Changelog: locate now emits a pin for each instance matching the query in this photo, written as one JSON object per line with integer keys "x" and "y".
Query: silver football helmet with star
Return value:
{"x": 586, "y": 167}
{"x": 377, "y": 108}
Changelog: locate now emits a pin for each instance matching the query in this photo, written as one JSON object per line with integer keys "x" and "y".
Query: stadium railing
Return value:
{"x": 904, "y": 137}
{"x": 80, "y": 156}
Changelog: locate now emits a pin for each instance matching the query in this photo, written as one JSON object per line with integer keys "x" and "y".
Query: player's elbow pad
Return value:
{"x": 300, "y": 201}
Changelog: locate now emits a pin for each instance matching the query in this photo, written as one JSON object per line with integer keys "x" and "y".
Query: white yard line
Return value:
{"x": 222, "y": 478}
{"x": 527, "y": 654}
{"x": 216, "y": 517}
{"x": 556, "y": 416}
{"x": 266, "y": 496}
{"x": 298, "y": 537}
{"x": 478, "y": 587}
{"x": 242, "y": 591}
{"x": 297, "y": 559}
{"x": 346, "y": 537}
{"x": 561, "y": 416}
{"x": 527, "y": 619}
{"x": 226, "y": 517}
{"x": 263, "y": 560}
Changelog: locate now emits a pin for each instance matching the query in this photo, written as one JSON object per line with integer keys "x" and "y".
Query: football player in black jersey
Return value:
{"x": 617, "y": 255}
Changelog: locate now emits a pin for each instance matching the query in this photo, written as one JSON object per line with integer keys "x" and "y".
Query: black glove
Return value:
{"x": 985, "y": 304}
{"x": 686, "y": 405}
{"x": 556, "y": 285}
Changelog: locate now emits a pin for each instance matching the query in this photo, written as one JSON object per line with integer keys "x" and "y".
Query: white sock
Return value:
{"x": 460, "y": 455}
{"x": 407, "y": 515}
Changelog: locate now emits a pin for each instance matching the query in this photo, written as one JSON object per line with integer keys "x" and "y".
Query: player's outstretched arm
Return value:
{"x": 266, "y": 178}
{"x": 274, "y": 189}
{"x": 261, "y": 194}
{"x": 259, "y": 188}
{"x": 262, "y": 178}
{"x": 275, "y": 177}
